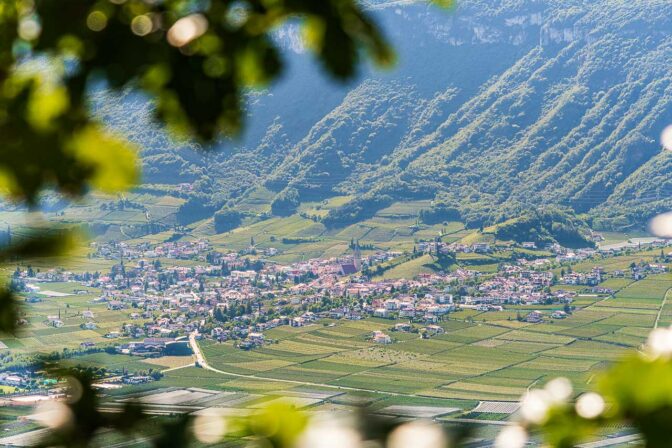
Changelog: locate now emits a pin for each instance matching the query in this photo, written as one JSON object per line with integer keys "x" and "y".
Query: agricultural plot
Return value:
{"x": 316, "y": 208}
{"x": 653, "y": 287}
{"x": 616, "y": 283}
{"x": 416, "y": 411}
{"x": 262, "y": 231}
{"x": 497, "y": 407}
{"x": 405, "y": 209}
{"x": 613, "y": 263}
{"x": 591, "y": 350}
{"x": 590, "y": 331}
{"x": 495, "y": 360}
{"x": 474, "y": 333}
{"x": 66, "y": 302}
{"x": 665, "y": 318}
{"x": 629, "y": 305}
{"x": 626, "y": 319}
{"x": 179, "y": 396}
{"x": 112, "y": 362}
{"x": 468, "y": 389}
{"x": 170, "y": 361}
{"x": 410, "y": 268}
{"x": 191, "y": 377}
{"x": 622, "y": 339}
{"x": 393, "y": 228}
{"x": 534, "y": 336}
{"x": 298, "y": 402}
{"x": 258, "y": 200}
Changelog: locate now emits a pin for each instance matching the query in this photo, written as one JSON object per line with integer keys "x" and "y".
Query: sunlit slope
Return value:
{"x": 494, "y": 108}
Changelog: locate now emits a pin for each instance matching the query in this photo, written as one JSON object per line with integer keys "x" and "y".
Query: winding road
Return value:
{"x": 203, "y": 363}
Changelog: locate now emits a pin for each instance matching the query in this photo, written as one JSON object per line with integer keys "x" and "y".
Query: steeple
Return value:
{"x": 357, "y": 258}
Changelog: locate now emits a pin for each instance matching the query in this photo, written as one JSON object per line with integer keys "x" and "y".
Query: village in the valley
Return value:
{"x": 239, "y": 296}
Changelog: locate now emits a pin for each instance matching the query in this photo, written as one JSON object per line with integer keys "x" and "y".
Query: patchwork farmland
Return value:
{"x": 481, "y": 356}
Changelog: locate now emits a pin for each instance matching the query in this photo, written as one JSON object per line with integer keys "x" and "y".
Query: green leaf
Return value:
{"x": 8, "y": 311}
{"x": 40, "y": 244}
{"x": 112, "y": 158}
{"x": 47, "y": 103}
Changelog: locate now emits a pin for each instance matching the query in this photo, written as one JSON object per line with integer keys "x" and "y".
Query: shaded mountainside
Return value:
{"x": 496, "y": 107}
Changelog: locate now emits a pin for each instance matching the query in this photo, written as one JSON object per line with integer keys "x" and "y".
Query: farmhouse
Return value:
{"x": 403, "y": 326}
{"x": 137, "y": 379}
{"x": 433, "y": 330}
{"x": 256, "y": 338}
{"x": 11, "y": 379}
{"x": 381, "y": 312}
{"x": 558, "y": 314}
{"x": 535, "y": 317}
{"x": 481, "y": 248}
{"x": 380, "y": 338}
{"x": 115, "y": 305}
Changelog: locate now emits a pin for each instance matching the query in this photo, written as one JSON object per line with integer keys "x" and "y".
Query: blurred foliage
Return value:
{"x": 8, "y": 310}
{"x": 633, "y": 397}
{"x": 78, "y": 421}
{"x": 197, "y": 59}
{"x": 634, "y": 394}
{"x": 38, "y": 244}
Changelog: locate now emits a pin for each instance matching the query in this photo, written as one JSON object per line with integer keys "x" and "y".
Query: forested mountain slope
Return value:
{"x": 495, "y": 107}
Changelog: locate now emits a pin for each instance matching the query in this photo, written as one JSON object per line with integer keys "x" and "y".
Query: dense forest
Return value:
{"x": 545, "y": 226}
{"x": 495, "y": 108}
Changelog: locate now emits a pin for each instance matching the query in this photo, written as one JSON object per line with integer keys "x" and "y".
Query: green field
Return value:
{"x": 40, "y": 336}
{"x": 496, "y": 359}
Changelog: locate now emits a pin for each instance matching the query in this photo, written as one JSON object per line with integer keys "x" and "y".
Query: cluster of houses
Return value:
{"x": 427, "y": 309}
{"x": 598, "y": 274}
{"x": 592, "y": 278}
{"x": 445, "y": 248}
{"x": 181, "y": 250}
{"x": 514, "y": 284}
{"x": 13, "y": 379}
{"x": 537, "y": 317}
{"x": 227, "y": 296}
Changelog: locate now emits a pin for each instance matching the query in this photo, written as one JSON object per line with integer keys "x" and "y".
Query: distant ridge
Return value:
{"x": 495, "y": 108}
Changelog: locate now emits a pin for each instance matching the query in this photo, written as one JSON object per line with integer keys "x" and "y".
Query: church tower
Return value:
{"x": 358, "y": 258}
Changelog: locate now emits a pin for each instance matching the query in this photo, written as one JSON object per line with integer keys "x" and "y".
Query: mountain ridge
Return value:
{"x": 495, "y": 108}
